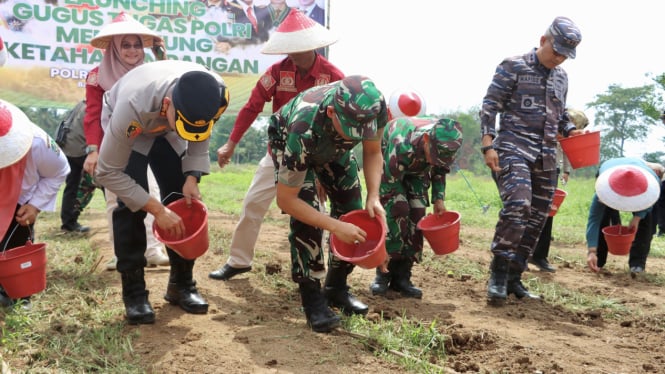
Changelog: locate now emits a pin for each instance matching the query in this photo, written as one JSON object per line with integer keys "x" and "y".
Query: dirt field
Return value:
{"x": 253, "y": 327}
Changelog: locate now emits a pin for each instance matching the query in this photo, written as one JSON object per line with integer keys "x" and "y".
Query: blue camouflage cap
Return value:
{"x": 566, "y": 36}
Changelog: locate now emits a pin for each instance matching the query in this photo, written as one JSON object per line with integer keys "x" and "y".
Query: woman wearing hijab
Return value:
{"x": 124, "y": 41}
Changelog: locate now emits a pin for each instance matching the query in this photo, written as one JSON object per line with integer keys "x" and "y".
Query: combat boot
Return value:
{"x": 515, "y": 286}
{"x": 380, "y": 284}
{"x": 319, "y": 316}
{"x": 337, "y": 292}
{"x": 135, "y": 298}
{"x": 182, "y": 290}
{"x": 498, "y": 282}
{"x": 401, "y": 279}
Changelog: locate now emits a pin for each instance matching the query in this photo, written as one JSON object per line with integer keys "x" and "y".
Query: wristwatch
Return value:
{"x": 486, "y": 148}
{"x": 91, "y": 148}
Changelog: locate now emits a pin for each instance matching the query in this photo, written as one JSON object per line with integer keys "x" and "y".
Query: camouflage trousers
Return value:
{"x": 405, "y": 203}
{"x": 342, "y": 185}
{"x": 85, "y": 192}
{"x": 526, "y": 191}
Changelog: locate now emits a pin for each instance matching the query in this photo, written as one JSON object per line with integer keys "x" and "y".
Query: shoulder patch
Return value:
{"x": 51, "y": 144}
{"x": 267, "y": 81}
{"x": 92, "y": 79}
{"x": 133, "y": 130}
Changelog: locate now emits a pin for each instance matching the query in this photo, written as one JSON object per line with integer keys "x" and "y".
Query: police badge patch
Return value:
{"x": 287, "y": 81}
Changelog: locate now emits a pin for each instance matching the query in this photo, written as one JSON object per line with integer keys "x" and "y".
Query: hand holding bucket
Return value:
{"x": 193, "y": 242}
{"x": 368, "y": 254}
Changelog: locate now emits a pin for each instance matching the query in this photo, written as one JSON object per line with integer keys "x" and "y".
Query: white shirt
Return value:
{"x": 45, "y": 170}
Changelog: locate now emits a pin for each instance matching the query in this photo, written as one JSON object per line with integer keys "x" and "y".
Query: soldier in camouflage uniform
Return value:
{"x": 529, "y": 91}
{"x": 312, "y": 136}
{"x": 417, "y": 153}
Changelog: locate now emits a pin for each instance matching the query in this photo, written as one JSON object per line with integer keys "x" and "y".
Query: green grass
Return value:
{"x": 72, "y": 329}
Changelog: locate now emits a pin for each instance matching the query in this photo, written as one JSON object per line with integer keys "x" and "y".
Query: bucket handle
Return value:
{"x": 31, "y": 239}
{"x": 172, "y": 193}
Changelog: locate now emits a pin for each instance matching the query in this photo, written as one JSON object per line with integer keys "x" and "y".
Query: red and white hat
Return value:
{"x": 123, "y": 24}
{"x": 406, "y": 103}
{"x": 298, "y": 33}
{"x": 627, "y": 188}
{"x": 15, "y": 134}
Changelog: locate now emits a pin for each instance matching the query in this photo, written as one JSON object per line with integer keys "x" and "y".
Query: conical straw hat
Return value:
{"x": 123, "y": 24}
{"x": 15, "y": 134}
{"x": 627, "y": 188}
{"x": 298, "y": 33}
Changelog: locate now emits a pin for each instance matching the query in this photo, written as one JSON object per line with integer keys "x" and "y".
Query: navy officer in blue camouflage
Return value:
{"x": 529, "y": 92}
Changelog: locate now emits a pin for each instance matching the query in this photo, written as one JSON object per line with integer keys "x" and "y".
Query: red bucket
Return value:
{"x": 441, "y": 231}
{"x": 618, "y": 238}
{"x": 582, "y": 150}
{"x": 195, "y": 242}
{"x": 559, "y": 195}
{"x": 23, "y": 270}
{"x": 372, "y": 252}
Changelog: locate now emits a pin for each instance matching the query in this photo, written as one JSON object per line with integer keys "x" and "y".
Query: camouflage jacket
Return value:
{"x": 305, "y": 133}
{"x": 403, "y": 150}
{"x": 531, "y": 100}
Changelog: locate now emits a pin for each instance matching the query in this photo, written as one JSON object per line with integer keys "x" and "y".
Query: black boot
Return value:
{"x": 337, "y": 292}
{"x": 319, "y": 316}
{"x": 498, "y": 283}
{"x": 515, "y": 286}
{"x": 182, "y": 288}
{"x": 380, "y": 284}
{"x": 401, "y": 278}
{"x": 135, "y": 297}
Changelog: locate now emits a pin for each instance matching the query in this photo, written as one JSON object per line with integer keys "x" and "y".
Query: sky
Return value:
{"x": 448, "y": 50}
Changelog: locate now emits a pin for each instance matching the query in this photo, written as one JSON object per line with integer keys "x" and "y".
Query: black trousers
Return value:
{"x": 639, "y": 249}
{"x": 70, "y": 212}
{"x": 659, "y": 211}
{"x": 542, "y": 249}
{"x": 128, "y": 227}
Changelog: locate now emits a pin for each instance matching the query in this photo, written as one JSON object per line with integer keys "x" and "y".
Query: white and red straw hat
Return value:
{"x": 627, "y": 188}
{"x": 298, "y": 33}
{"x": 406, "y": 103}
{"x": 123, "y": 24}
{"x": 15, "y": 134}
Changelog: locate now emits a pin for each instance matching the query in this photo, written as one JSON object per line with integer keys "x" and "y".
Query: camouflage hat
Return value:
{"x": 445, "y": 139}
{"x": 357, "y": 103}
{"x": 566, "y": 36}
